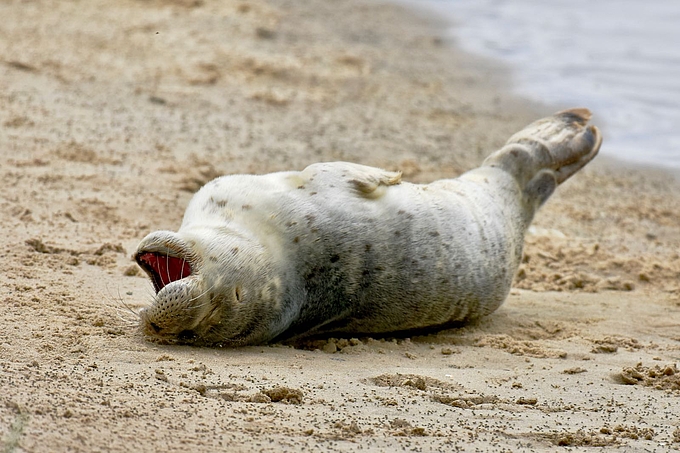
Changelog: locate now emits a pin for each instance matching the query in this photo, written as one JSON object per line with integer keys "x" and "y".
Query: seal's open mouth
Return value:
{"x": 163, "y": 268}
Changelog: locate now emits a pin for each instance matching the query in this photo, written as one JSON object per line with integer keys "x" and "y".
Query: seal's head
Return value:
{"x": 206, "y": 287}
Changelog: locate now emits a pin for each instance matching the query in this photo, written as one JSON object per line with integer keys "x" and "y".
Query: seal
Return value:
{"x": 345, "y": 248}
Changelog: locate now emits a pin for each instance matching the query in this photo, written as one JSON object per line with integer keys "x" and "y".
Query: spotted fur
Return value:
{"x": 341, "y": 247}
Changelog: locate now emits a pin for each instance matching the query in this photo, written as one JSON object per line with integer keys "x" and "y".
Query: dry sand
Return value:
{"x": 113, "y": 112}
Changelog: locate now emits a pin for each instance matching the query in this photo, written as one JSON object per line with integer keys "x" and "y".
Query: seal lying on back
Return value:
{"x": 345, "y": 248}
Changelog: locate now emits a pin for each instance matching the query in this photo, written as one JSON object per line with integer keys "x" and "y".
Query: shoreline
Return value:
{"x": 443, "y": 26}
{"x": 113, "y": 118}
{"x": 511, "y": 37}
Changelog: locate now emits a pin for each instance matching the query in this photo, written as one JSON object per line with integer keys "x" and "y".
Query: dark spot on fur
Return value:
{"x": 212, "y": 258}
{"x": 221, "y": 203}
{"x": 335, "y": 258}
{"x": 245, "y": 207}
{"x": 397, "y": 233}
{"x": 401, "y": 211}
{"x": 368, "y": 247}
{"x": 237, "y": 294}
{"x": 312, "y": 193}
{"x": 290, "y": 224}
{"x": 234, "y": 251}
{"x": 434, "y": 233}
{"x": 301, "y": 187}
{"x": 296, "y": 239}
{"x": 311, "y": 275}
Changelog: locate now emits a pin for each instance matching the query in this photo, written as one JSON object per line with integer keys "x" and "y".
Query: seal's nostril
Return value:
{"x": 156, "y": 328}
{"x": 186, "y": 335}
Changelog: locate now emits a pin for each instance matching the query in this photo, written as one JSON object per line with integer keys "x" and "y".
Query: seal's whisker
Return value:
{"x": 126, "y": 306}
{"x": 150, "y": 291}
{"x": 126, "y": 309}
{"x": 127, "y": 322}
{"x": 181, "y": 269}
{"x": 198, "y": 297}
{"x": 194, "y": 307}
{"x": 120, "y": 311}
{"x": 167, "y": 265}
{"x": 129, "y": 309}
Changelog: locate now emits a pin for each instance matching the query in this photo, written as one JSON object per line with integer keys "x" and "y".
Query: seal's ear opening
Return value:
{"x": 163, "y": 268}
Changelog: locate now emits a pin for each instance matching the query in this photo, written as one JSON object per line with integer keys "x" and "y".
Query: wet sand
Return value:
{"x": 113, "y": 113}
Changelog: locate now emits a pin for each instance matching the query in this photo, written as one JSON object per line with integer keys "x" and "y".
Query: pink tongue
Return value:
{"x": 167, "y": 268}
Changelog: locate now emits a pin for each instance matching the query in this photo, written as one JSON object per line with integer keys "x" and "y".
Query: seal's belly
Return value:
{"x": 410, "y": 257}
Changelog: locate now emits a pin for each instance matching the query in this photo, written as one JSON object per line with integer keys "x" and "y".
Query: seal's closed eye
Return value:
{"x": 163, "y": 268}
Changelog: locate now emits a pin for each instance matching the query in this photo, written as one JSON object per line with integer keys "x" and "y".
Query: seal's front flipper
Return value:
{"x": 363, "y": 179}
{"x": 368, "y": 182}
{"x": 549, "y": 151}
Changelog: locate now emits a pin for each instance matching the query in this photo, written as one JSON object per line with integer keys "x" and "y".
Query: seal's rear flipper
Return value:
{"x": 548, "y": 151}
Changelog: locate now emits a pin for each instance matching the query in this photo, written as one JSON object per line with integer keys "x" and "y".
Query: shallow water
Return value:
{"x": 620, "y": 58}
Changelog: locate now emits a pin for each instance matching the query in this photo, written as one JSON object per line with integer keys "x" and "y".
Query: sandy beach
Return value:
{"x": 113, "y": 113}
